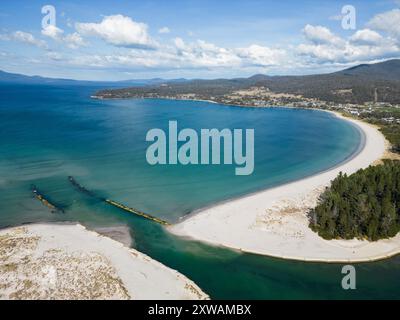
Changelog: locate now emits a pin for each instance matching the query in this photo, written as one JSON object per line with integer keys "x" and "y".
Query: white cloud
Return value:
{"x": 189, "y": 56}
{"x": 203, "y": 54}
{"x": 388, "y": 22}
{"x": 262, "y": 56}
{"x": 52, "y": 32}
{"x": 380, "y": 39}
{"x": 164, "y": 30}
{"x": 179, "y": 43}
{"x": 120, "y": 31}
{"x": 320, "y": 35}
{"x": 366, "y": 37}
{"x": 321, "y": 53}
{"x": 349, "y": 53}
{"x": 364, "y": 45}
{"x": 28, "y": 38}
{"x": 74, "y": 40}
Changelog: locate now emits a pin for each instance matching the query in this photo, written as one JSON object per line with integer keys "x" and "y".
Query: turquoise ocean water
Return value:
{"x": 48, "y": 133}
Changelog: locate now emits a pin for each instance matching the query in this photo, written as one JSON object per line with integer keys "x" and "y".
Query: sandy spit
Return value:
{"x": 274, "y": 222}
{"x": 66, "y": 261}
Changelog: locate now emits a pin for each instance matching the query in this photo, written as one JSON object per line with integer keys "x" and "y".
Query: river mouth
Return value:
{"x": 50, "y": 133}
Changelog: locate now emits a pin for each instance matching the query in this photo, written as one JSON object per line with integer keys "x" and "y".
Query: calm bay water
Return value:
{"x": 48, "y": 133}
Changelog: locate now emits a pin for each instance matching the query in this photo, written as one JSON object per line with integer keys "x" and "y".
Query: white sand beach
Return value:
{"x": 274, "y": 222}
{"x": 59, "y": 261}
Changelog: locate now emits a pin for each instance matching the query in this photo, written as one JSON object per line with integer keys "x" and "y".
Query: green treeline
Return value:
{"x": 365, "y": 205}
{"x": 392, "y": 133}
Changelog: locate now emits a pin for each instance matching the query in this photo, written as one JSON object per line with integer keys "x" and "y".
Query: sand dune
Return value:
{"x": 48, "y": 261}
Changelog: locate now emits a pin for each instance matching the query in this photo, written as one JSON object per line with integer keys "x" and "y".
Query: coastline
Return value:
{"x": 273, "y": 222}
{"x": 351, "y": 156}
{"x": 68, "y": 261}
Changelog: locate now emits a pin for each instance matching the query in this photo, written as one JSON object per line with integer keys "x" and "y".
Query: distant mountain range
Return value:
{"x": 6, "y": 77}
{"x": 356, "y": 85}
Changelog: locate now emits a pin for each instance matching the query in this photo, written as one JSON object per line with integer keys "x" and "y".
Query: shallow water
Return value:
{"x": 48, "y": 133}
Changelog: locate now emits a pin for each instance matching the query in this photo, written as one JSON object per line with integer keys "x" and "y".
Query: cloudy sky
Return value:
{"x": 115, "y": 40}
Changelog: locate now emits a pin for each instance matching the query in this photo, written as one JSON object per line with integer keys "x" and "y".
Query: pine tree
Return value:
{"x": 363, "y": 205}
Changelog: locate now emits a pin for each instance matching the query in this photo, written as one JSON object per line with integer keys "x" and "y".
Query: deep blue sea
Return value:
{"x": 48, "y": 133}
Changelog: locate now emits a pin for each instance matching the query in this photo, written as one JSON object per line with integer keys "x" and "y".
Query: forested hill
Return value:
{"x": 389, "y": 70}
{"x": 353, "y": 85}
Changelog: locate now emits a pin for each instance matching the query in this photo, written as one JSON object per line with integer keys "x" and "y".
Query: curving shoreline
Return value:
{"x": 273, "y": 222}
{"x": 348, "y": 158}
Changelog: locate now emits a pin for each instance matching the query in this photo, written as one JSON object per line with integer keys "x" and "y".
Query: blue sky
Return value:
{"x": 114, "y": 40}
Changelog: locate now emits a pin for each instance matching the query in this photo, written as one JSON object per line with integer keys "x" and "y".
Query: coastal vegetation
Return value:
{"x": 365, "y": 205}
{"x": 386, "y": 119}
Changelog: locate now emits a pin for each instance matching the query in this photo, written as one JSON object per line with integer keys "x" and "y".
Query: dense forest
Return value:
{"x": 365, "y": 205}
